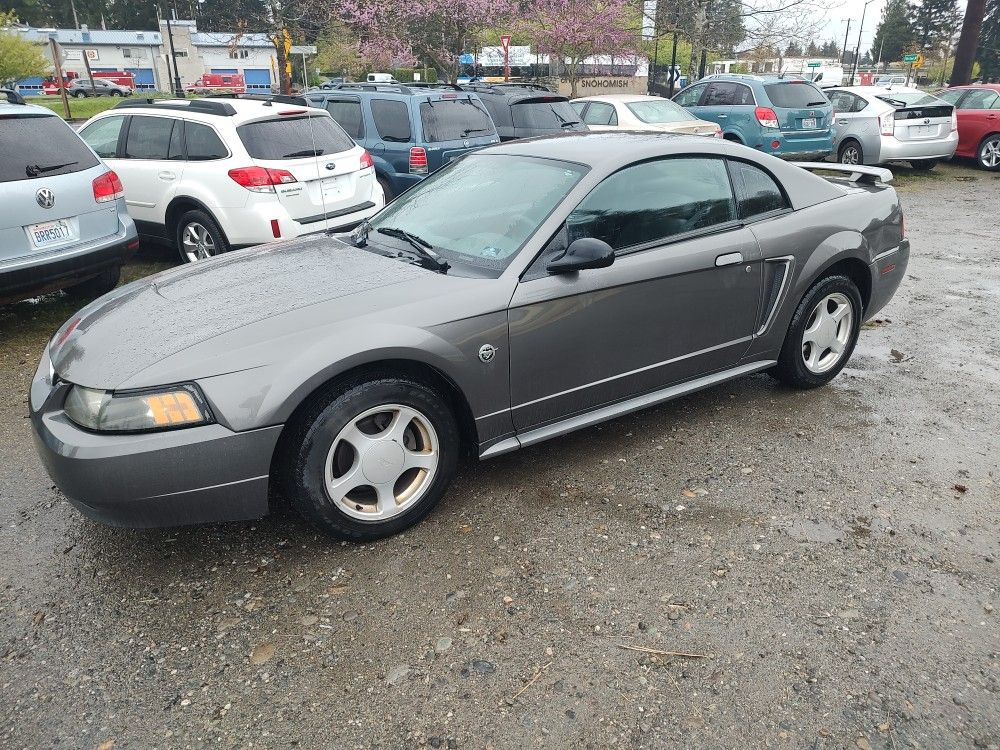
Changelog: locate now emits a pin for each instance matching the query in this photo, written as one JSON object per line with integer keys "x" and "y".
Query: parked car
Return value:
{"x": 877, "y": 125}
{"x": 63, "y": 223}
{"x": 638, "y": 112}
{"x": 381, "y": 78}
{"x": 11, "y": 96}
{"x": 332, "y": 83}
{"x": 526, "y": 110}
{"x": 785, "y": 117}
{"x": 81, "y": 87}
{"x": 210, "y": 175}
{"x": 978, "y": 111}
{"x": 525, "y": 291}
{"x": 411, "y": 132}
{"x": 885, "y": 81}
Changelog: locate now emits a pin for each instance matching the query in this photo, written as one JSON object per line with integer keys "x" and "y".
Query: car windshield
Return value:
{"x": 659, "y": 110}
{"x": 454, "y": 119}
{"x": 294, "y": 138}
{"x": 794, "y": 94}
{"x": 477, "y": 213}
{"x": 35, "y": 146}
{"x": 909, "y": 98}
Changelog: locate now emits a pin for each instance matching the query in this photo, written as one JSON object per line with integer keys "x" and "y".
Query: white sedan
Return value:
{"x": 638, "y": 112}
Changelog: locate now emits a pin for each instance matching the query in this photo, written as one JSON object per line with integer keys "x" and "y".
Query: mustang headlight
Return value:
{"x": 137, "y": 411}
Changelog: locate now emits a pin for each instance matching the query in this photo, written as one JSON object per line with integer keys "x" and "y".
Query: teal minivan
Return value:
{"x": 787, "y": 117}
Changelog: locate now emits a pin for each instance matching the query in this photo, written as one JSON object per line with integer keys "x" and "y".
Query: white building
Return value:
{"x": 146, "y": 55}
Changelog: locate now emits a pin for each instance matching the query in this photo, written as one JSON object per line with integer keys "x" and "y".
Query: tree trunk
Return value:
{"x": 573, "y": 71}
{"x": 965, "y": 52}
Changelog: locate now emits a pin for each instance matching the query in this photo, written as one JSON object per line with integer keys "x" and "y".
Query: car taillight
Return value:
{"x": 418, "y": 160}
{"x": 887, "y": 123}
{"x": 366, "y": 161}
{"x": 954, "y": 120}
{"x": 260, "y": 179}
{"x": 766, "y": 117}
{"x": 108, "y": 187}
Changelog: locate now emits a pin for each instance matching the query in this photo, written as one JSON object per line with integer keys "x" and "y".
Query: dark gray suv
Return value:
{"x": 63, "y": 221}
{"x": 526, "y": 110}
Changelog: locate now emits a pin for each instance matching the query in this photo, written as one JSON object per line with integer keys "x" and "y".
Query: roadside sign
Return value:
{"x": 303, "y": 49}
{"x": 505, "y": 42}
{"x": 814, "y": 65}
{"x": 914, "y": 59}
{"x": 505, "y": 45}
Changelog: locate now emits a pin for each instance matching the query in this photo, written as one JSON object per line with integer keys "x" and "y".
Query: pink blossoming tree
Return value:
{"x": 439, "y": 31}
{"x": 573, "y": 30}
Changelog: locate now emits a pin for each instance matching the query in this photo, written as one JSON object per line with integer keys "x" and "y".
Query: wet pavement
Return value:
{"x": 827, "y": 560}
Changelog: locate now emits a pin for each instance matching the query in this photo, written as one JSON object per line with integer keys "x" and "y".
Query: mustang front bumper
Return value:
{"x": 171, "y": 478}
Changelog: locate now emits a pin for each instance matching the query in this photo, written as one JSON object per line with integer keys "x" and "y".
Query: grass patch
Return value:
{"x": 85, "y": 107}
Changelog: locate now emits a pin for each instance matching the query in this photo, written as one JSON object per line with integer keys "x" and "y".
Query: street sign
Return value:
{"x": 303, "y": 49}
{"x": 505, "y": 45}
{"x": 915, "y": 59}
{"x": 814, "y": 65}
{"x": 505, "y": 42}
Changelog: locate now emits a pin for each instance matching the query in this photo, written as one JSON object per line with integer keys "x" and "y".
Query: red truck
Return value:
{"x": 218, "y": 83}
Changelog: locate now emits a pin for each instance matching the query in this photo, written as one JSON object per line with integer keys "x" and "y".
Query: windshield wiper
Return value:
{"x": 304, "y": 152}
{"x": 569, "y": 123}
{"x": 817, "y": 104}
{"x": 473, "y": 130}
{"x": 423, "y": 248}
{"x": 33, "y": 170}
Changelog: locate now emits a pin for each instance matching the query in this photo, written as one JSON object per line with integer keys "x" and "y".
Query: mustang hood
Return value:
{"x": 147, "y": 321}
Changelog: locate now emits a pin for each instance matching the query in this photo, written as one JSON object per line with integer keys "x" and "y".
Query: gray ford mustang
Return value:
{"x": 527, "y": 290}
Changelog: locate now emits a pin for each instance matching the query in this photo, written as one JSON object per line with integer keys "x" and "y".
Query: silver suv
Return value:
{"x": 63, "y": 222}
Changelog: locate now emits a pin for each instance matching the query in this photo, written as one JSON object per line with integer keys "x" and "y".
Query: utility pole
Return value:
{"x": 857, "y": 50}
{"x": 843, "y": 55}
{"x": 178, "y": 89}
{"x": 57, "y": 64}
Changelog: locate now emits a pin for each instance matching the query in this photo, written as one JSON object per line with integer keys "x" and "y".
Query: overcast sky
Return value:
{"x": 837, "y": 24}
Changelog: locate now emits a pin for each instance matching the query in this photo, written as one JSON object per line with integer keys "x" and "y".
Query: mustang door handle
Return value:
{"x": 729, "y": 259}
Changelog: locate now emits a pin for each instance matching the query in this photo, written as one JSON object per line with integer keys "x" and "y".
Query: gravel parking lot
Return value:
{"x": 826, "y": 562}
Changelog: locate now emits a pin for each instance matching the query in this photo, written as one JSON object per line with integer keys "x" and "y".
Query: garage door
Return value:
{"x": 258, "y": 80}
{"x": 144, "y": 79}
{"x": 224, "y": 71}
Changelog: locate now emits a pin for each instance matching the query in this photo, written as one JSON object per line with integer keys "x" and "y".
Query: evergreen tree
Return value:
{"x": 933, "y": 22}
{"x": 812, "y": 50}
{"x": 793, "y": 50}
{"x": 988, "y": 52}
{"x": 894, "y": 35}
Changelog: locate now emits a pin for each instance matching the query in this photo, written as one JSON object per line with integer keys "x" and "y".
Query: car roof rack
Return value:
{"x": 204, "y": 106}
{"x": 856, "y": 172}
{"x": 434, "y": 85}
{"x": 507, "y": 88}
{"x": 268, "y": 99}
{"x": 393, "y": 88}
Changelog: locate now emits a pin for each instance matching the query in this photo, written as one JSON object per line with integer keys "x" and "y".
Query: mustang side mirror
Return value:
{"x": 581, "y": 254}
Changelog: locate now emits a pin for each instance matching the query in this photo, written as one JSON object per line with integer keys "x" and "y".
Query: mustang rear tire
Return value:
{"x": 370, "y": 458}
{"x": 821, "y": 335}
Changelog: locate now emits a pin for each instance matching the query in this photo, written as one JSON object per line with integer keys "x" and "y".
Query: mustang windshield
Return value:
{"x": 480, "y": 211}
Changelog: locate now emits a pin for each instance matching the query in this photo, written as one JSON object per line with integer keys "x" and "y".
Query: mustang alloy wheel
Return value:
{"x": 821, "y": 335}
{"x": 382, "y": 462}
{"x": 369, "y": 457}
{"x": 828, "y": 332}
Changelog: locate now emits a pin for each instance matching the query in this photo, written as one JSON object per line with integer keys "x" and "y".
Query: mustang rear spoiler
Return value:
{"x": 858, "y": 173}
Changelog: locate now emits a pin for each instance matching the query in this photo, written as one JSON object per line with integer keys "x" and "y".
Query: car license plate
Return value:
{"x": 808, "y": 122}
{"x": 921, "y": 131}
{"x": 333, "y": 187}
{"x": 51, "y": 233}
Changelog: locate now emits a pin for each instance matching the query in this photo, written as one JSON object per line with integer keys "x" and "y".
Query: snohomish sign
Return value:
{"x": 590, "y": 86}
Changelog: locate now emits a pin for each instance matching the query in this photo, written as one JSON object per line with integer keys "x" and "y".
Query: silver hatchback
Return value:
{"x": 63, "y": 221}
{"x": 875, "y": 125}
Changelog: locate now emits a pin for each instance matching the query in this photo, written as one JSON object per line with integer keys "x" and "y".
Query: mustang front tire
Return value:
{"x": 370, "y": 458}
{"x": 821, "y": 335}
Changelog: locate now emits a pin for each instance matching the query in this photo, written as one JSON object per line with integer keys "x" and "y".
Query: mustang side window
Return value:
{"x": 757, "y": 193}
{"x": 655, "y": 200}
